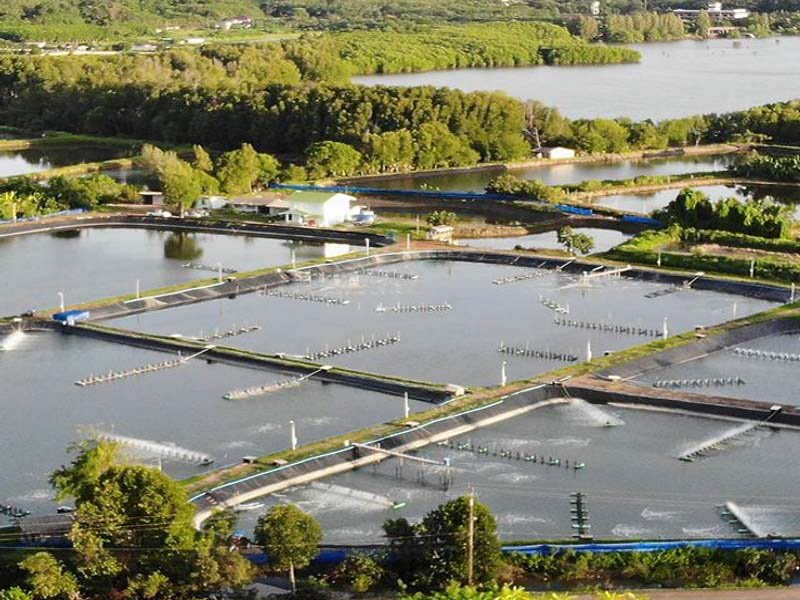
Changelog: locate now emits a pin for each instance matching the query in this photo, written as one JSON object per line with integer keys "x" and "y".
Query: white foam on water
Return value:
{"x": 590, "y": 415}
{"x": 660, "y": 515}
{"x": 707, "y": 532}
{"x": 38, "y": 495}
{"x": 319, "y": 421}
{"x": 623, "y": 530}
{"x": 573, "y": 442}
{"x": 267, "y": 428}
{"x": 12, "y": 341}
{"x": 514, "y": 519}
{"x": 514, "y": 478}
{"x": 236, "y": 444}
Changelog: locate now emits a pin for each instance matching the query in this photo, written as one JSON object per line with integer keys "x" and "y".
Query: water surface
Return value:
{"x": 673, "y": 79}
{"x": 33, "y": 160}
{"x": 90, "y": 264}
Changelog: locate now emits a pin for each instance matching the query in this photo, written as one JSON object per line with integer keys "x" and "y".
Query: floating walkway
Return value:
{"x": 260, "y": 390}
{"x": 350, "y": 348}
{"x": 305, "y": 297}
{"x": 233, "y": 332}
{"x": 707, "y": 382}
{"x": 766, "y": 355}
{"x": 620, "y": 328}
{"x": 387, "y": 274}
{"x": 161, "y": 449}
{"x": 523, "y": 276}
{"x": 553, "y": 305}
{"x": 479, "y": 450}
{"x": 532, "y": 353}
{"x": 112, "y": 376}
{"x": 412, "y": 308}
{"x": 215, "y": 269}
{"x": 605, "y": 273}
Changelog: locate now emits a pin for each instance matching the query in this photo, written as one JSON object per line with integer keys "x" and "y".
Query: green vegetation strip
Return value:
{"x": 60, "y": 139}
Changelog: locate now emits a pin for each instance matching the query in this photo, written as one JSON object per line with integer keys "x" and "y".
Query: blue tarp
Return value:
{"x": 716, "y": 544}
{"x": 71, "y": 316}
{"x": 642, "y": 220}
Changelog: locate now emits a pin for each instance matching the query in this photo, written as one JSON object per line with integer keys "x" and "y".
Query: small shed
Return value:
{"x": 319, "y": 208}
{"x": 150, "y": 198}
{"x": 555, "y": 152}
{"x": 441, "y": 233}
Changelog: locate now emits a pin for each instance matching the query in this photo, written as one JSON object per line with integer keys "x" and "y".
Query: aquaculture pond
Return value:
{"x": 33, "y": 160}
{"x": 765, "y": 369}
{"x": 558, "y": 174}
{"x": 604, "y": 239}
{"x": 456, "y": 345}
{"x": 93, "y": 263}
{"x": 634, "y": 483}
{"x": 42, "y": 410}
{"x": 704, "y": 77}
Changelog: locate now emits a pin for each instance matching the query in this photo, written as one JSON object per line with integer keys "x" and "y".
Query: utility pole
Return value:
{"x": 471, "y": 537}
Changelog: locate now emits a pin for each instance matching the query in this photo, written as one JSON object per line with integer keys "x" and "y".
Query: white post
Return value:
{"x": 219, "y": 272}
{"x": 14, "y": 212}
{"x": 588, "y": 350}
{"x": 752, "y": 268}
{"x": 137, "y": 289}
{"x": 503, "y": 377}
{"x": 367, "y": 241}
{"x": 294, "y": 258}
{"x": 61, "y": 300}
{"x": 659, "y": 259}
{"x": 408, "y": 241}
{"x": 665, "y": 331}
{"x": 293, "y": 433}
{"x": 406, "y": 408}
{"x": 417, "y": 224}
{"x": 791, "y": 298}
{"x": 734, "y": 309}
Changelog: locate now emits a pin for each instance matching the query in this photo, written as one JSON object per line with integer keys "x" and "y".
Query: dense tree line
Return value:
{"x": 774, "y": 168}
{"x": 761, "y": 218}
{"x": 633, "y": 28}
{"x": 483, "y": 45}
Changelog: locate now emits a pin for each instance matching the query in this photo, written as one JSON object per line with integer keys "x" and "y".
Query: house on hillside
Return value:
{"x": 323, "y": 209}
{"x": 554, "y": 152}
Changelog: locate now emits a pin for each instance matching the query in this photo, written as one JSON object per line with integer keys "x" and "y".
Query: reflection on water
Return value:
{"x": 604, "y": 239}
{"x": 24, "y": 162}
{"x": 66, "y": 234}
{"x": 182, "y": 246}
{"x": 89, "y": 264}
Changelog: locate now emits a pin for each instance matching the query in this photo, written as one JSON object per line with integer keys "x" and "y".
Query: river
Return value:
{"x": 673, "y": 79}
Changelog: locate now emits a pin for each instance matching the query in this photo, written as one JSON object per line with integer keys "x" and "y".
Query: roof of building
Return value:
{"x": 50, "y": 525}
{"x": 314, "y": 197}
{"x": 271, "y": 199}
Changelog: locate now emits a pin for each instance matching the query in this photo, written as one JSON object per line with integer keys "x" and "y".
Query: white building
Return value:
{"x": 715, "y": 11}
{"x": 151, "y": 198}
{"x": 318, "y": 208}
{"x": 555, "y": 152}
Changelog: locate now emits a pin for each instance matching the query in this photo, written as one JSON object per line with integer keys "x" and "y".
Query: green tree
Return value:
{"x": 48, "y": 578}
{"x": 702, "y": 23}
{"x": 202, "y": 160}
{"x": 15, "y": 593}
{"x": 332, "y": 158}
{"x": 289, "y": 537}
{"x": 575, "y": 242}
{"x": 238, "y": 170}
{"x": 444, "y": 543}
{"x": 441, "y": 217}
